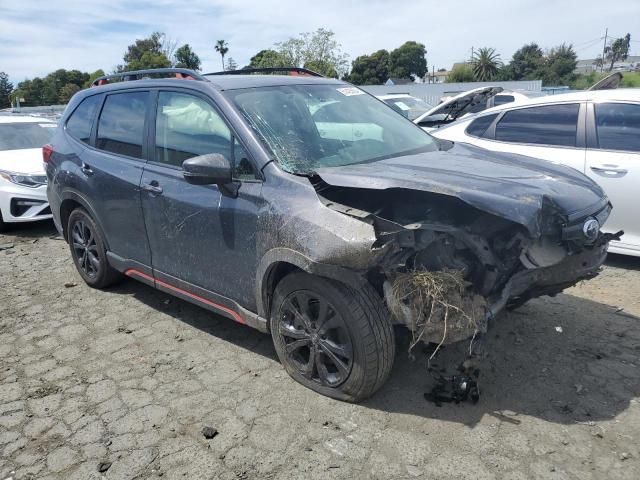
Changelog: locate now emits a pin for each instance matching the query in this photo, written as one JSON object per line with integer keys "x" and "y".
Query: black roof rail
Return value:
{"x": 140, "y": 74}
{"x": 290, "y": 70}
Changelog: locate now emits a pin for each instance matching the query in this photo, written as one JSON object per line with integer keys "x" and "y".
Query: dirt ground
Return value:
{"x": 124, "y": 381}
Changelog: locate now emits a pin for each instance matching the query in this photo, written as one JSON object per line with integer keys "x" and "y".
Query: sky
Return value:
{"x": 39, "y": 36}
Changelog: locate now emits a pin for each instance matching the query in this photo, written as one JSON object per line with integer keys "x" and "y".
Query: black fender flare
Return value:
{"x": 79, "y": 198}
{"x": 280, "y": 255}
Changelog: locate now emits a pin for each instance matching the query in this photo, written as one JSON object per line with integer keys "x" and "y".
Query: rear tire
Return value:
{"x": 88, "y": 251}
{"x": 331, "y": 338}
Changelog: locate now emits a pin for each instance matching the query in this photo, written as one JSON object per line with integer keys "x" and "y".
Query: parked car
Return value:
{"x": 224, "y": 191}
{"x": 594, "y": 132}
{"x": 449, "y": 110}
{"x": 408, "y": 105}
{"x": 23, "y": 191}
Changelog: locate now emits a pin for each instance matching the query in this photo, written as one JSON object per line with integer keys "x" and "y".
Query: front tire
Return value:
{"x": 88, "y": 251}
{"x": 331, "y": 338}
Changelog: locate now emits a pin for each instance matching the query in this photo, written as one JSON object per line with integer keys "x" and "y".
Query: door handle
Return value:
{"x": 609, "y": 169}
{"x": 152, "y": 187}
{"x": 86, "y": 169}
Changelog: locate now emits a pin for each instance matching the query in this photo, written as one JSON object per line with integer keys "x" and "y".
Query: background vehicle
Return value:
{"x": 408, "y": 105}
{"x": 23, "y": 194}
{"x": 595, "y": 132}
{"x": 261, "y": 198}
{"x": 451, "y": 109}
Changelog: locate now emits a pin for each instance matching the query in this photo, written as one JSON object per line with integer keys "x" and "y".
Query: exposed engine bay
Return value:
{"x": 446, "y": 268}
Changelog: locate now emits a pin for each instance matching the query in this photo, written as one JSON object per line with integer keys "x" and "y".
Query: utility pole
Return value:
{"x": 604, "y": 48}
{"x": 471, "y": 61}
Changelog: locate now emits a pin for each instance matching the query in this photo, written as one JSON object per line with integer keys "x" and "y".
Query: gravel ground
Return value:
{"x": 125, "y": 380}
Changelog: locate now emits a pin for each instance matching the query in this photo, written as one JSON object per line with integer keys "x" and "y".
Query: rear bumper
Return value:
{"x": 23, "y": 204}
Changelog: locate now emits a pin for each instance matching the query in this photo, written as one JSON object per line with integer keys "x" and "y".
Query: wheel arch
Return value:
{"x": 71, "y": 201}
{"x": 279, "y": 262}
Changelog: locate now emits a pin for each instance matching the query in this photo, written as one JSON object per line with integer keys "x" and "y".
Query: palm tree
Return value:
{"x": 222, "y": 48}
{"x": 486, "y": 63}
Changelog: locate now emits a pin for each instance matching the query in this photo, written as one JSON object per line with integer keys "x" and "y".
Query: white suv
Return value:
{"x": 595, "y": 132}
{"x": 23, "y": 191}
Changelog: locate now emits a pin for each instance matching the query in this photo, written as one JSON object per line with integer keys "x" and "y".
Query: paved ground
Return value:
{"x": 131, "y": 376}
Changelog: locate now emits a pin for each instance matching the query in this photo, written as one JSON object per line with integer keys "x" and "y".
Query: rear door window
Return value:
{"x": 81, "y": 120}
{"x": 544, "y": 125}
{"x": 121, "y": 124}
{"x": 618, "y": 126}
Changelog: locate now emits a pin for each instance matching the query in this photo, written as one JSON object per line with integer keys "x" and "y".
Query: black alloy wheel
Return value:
{"x": 316, "y": 338}
{"x": 88, "y": 250}
{"x": 85, "y": 247}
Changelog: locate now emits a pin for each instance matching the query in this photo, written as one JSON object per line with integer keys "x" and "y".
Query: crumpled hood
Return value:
{"x": 510, "y": 186}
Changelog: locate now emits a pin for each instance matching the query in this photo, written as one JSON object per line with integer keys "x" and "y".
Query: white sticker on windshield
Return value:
{"x": 402, "y": 106}
{"x": 47, "y": 125}
{"x": 350, "y": 91}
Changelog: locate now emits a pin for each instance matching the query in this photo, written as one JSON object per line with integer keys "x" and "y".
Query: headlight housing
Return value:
{"x": 25, "y": 180}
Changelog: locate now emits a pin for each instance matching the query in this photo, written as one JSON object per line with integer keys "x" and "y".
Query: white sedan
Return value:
{"x": 23, "y": 191}
{"x": 595, "y": 132}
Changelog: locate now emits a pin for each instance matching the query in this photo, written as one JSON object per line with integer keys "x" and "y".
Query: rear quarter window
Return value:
{"x": 81, "y": 120}
{"x": 479, "y": 126}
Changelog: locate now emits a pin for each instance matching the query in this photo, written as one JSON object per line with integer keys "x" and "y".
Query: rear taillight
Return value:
{"x": 47, "y": 151}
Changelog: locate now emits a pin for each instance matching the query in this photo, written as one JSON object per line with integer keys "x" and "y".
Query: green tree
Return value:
{"x": 408, "y": 61}
{"x": 185, "y": 57}
{"x": 525, "y": 63}
{"x": 370, "y": 69}
{"x": 222, "y": 48}
{"x": 462, "y": 72}
{"x": 231, "y": 64}
{"x": 558, "y": 66}
{"x": 92, "y": 76}
{"x": 617, "y": 50}
{"x": 145, "y": 53}
{"x": 268, "y": 58}
{"x": 6, "y": 87}
{"x": 317, "y": 50}
{"x": 485, "y": 63}
{"x": 67, "y": 91}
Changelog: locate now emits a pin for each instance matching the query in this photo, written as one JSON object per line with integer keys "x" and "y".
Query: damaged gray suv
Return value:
{"x": 304, "y": 207}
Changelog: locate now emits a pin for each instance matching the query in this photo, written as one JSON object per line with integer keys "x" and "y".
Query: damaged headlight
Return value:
{"x": 25, "y": 180}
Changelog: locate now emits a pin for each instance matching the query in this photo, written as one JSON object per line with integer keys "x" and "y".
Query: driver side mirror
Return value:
{"x": 211, "y": 169}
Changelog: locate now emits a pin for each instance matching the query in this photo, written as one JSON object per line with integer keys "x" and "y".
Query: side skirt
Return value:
{"x": 189, "y": 292}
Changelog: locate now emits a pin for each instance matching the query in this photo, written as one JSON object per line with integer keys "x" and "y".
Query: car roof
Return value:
{"x": 233, "y": 82}
{"x": 219, "y": 82}
{"x": 619, "y": 94}
{"x": 23, "y": 119}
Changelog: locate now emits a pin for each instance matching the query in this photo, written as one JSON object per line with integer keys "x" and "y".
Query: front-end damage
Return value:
{"x": 446, "y": 268}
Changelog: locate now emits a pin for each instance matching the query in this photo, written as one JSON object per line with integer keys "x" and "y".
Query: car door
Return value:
{"x": 613, "y": 161}
{"x": 553, "y": 132}
{"x": 202, "y": 241}
{"x": 112, "y": 170}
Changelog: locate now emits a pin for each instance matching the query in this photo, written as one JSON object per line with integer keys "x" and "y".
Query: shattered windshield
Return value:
{"x": 410, "y": 107}
{"x": 307, "y": 127}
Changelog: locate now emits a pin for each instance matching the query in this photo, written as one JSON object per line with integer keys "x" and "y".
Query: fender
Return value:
{"x": 279, "y": 255}
{"x": 70, "y": 194}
